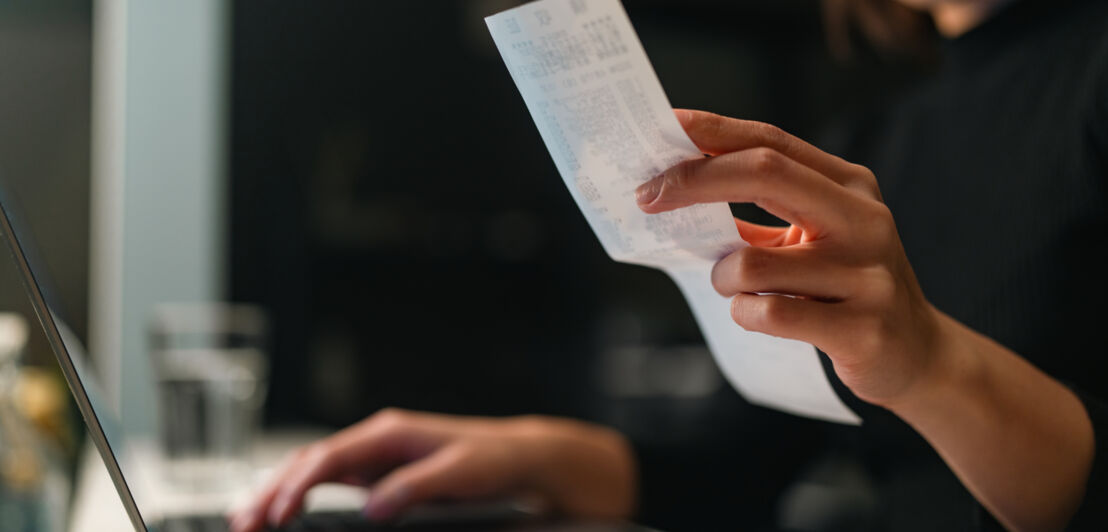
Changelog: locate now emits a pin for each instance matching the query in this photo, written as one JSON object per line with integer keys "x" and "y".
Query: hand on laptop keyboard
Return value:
{"x": 408, "y": 458}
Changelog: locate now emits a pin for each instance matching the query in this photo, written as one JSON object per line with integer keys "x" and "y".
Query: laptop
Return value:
{"x": 106, "y": 433}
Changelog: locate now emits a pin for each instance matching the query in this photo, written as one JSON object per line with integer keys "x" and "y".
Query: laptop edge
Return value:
{"x": 14, "y": 233}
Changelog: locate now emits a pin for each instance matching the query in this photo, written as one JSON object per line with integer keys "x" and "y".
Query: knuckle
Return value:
{"x": 316, "y": 454}
{"x": 740, "y": 313}
{"x": 870, "y": 180}
{"x": 754, "y": 264}
{"x": 765, "y": 161}
{"x": 877, "y": 221}
{"x": 711, "y": 124}
{"x": 466, "y": 449}
{"x": 531, "y": 424}
{"x": 390, "y": 417}
{"x": 776, "y": 312}
{"x": 770, "y": 134}
{"x": 749, "y": 312}
{"x": 679, "y": 177}
{"x": 875, "y": 334}
{"x": 863, "y": 174}
{"x": 881, "y": 286}
{"x": 867, "y": 180}
{"x": 881, "y": 214}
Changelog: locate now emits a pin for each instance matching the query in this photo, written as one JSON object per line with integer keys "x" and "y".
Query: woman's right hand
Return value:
{"x": 406, "y": 458}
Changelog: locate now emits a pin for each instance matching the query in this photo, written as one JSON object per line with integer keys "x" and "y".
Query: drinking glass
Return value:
{"x": 211, "y": 368}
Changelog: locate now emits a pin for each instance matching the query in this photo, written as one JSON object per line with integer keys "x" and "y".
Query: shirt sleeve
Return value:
{"x": 1093, "y": 512}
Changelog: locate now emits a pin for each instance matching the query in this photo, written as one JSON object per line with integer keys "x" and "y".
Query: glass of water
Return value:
{"x": 211, "y": 368}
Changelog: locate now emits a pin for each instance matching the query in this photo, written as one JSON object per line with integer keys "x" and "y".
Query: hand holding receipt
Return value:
{"x": 609, "y": 127}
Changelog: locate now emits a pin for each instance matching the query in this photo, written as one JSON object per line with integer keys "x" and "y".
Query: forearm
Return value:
{"x": 1019, "y": 440}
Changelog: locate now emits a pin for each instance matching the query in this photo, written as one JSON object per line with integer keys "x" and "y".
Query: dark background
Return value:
{"x": 396, "y": 211}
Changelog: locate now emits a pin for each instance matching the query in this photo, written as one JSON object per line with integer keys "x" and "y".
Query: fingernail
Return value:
{"x": 648, "y": 192}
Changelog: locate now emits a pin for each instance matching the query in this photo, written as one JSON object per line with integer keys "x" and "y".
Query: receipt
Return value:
{"x": 608, "y": 125}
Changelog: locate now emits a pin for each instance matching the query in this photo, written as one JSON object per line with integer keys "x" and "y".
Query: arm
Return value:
{"x": 838, "y": 278}
{"x": 1045, "y": 434}
{"x": 1019, "y": 440}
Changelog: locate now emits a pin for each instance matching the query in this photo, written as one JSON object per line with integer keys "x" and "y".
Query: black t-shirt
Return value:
{"x": 995, "y": 172}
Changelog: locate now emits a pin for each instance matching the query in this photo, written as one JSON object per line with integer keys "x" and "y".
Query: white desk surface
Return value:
{"x": 97, "y": 507}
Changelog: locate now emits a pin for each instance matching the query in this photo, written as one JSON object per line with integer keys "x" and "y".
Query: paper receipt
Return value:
{"x": 609, "y": 127}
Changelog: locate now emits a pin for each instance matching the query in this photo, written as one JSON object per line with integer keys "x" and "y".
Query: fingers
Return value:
{"x": 761, "y": 235}
{"x": 717, "y": 135}
{"x": 284, "y": 494}
{"x": 778, "y": 184}
{"x": 433, "y": 477}
{"x": 252, "y": 518}
{"x": 787, "y": 317}
{"x": 318, "y": 466}
{"x": 389, "y": 440}
{"x": 363, "y": 450}
{"x": 789, "y": 271}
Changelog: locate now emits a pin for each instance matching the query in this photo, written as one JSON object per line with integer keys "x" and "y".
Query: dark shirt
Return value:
{"x": 995, "y": 172}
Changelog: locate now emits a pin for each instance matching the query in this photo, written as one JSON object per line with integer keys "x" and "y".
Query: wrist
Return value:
{"x": 534, "y": 454}
{"x": 952, "y": 371}
{"x": 578, "y": 468}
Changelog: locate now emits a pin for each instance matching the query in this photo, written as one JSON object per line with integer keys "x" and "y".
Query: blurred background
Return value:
{"x": 367, "y": 175}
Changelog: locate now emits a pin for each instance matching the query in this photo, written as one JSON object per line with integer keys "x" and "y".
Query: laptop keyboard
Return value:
{"x": 316, "y": 522}
{"x": 335, "y": 522}
{"x": 325, "y": 522}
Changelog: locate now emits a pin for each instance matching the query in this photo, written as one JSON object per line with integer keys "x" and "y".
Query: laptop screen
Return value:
{"x": 101, "y": 420}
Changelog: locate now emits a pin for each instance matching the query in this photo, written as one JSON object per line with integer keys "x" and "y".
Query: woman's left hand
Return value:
{"x": 836, "y": 278}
